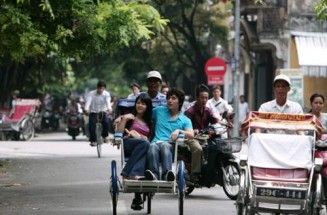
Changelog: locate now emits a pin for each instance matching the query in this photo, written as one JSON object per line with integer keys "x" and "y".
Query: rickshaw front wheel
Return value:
{"x": 114, "y": 190}
{"x": 181, "y": 186}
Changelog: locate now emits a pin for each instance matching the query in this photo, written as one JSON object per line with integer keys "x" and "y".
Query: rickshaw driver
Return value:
{"x": 169, "y": 123}
{"x": 153, "y": 83}
{"x": 281, "y": 87}
{"x": 201, "y": 116}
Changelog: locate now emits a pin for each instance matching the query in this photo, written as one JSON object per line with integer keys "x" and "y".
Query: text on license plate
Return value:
{"x": 281, "y": 193}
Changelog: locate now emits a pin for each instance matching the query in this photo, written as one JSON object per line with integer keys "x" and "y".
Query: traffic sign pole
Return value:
{"x": 236, "y": 123}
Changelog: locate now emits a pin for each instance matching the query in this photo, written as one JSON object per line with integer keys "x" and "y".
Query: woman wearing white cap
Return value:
{"x": 281, "y": 86}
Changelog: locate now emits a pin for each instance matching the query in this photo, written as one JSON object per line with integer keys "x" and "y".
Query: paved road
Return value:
{"x": 54, "y": 175}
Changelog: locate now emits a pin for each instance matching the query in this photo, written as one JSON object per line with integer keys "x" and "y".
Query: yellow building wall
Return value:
{"x": 311, "y": 84}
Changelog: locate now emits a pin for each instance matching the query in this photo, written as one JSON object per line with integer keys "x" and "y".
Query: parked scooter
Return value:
{"x": 50, "y": 120}
{"x": 74, "y": 124}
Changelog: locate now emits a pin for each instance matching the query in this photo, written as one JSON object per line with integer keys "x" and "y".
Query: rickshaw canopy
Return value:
{"x": 282, "y": 121}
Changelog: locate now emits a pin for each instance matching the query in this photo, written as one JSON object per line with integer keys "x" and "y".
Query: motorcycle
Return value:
{"x": 219, "y": 165}
{"x": 74, "y": 124}
{"x": 321, "y": 152}
{"x": 50, "y": 119}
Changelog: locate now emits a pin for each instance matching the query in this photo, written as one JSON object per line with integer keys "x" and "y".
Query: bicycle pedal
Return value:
{"x": 120, "y": 186}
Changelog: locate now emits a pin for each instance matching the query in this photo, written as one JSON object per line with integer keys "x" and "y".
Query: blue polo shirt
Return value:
{"x": 164, "y": 126}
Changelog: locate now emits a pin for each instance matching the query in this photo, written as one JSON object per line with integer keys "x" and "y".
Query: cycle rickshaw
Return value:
{"x": 148, "y": 188}
{"x": 20, "y": 126}
{"x": 279, "y": 174}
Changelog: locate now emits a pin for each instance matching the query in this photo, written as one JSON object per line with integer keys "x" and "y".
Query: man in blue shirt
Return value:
{"x": 169, "y": 123}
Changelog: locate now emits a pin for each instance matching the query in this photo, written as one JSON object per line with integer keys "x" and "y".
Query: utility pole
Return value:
{"x": 236, "y": 71}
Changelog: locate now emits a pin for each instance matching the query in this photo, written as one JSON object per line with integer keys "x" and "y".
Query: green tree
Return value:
{"x": 180, "y": 52}
{"x": 39, "y": 39}
{"x": 321, "y": 9}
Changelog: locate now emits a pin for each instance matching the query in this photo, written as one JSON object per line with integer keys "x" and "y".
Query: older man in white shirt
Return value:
{"x": 98, "y": 106}
{"x": 281, "y": 104}
{"x": 281, "y": 87}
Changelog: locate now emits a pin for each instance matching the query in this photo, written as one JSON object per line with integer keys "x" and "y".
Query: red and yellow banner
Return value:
{"x": 282, "y": 121}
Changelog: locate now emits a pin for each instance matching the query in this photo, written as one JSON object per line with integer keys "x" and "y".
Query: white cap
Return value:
{"x": 283, "y": 78}
{"x": 154, "y": 74}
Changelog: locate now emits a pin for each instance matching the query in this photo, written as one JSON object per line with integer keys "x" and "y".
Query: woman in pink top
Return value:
{"x": 136, "y": 128}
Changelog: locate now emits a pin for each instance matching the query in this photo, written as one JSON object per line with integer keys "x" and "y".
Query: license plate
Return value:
{"x": 281, "y": 193}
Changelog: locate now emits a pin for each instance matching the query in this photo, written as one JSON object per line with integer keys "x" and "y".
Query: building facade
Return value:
{"x": 282, "y": 37}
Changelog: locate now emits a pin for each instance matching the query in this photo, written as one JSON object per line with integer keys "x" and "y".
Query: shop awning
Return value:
{"x": 312, "y": 52}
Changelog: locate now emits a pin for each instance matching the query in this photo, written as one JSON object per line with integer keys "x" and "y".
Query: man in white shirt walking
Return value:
{"x": 98, "y": 106}
{"x": 243, "y": 109}
{"x": 217, "y": 103}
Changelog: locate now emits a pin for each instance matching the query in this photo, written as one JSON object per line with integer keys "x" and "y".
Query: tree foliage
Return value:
{"x": 321, "y": 9}
{"x": 180, "y": 52}
{"x": 39, "y": 37}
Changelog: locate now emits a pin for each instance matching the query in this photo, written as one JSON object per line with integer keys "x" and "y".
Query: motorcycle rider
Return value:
{"x": 317, "y": 102}
{"x": 201, "y": 117}
{"x": 74, "y": 107}
{"x": 98, "y": 103}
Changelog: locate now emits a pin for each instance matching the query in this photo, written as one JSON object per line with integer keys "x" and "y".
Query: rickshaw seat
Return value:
{"x": 280, "y": 151}
{"x": 288, "y": 175}
{"x": 20, "y": 111}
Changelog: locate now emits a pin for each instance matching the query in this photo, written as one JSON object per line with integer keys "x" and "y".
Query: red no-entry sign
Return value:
{"x": 215, "y": 69}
